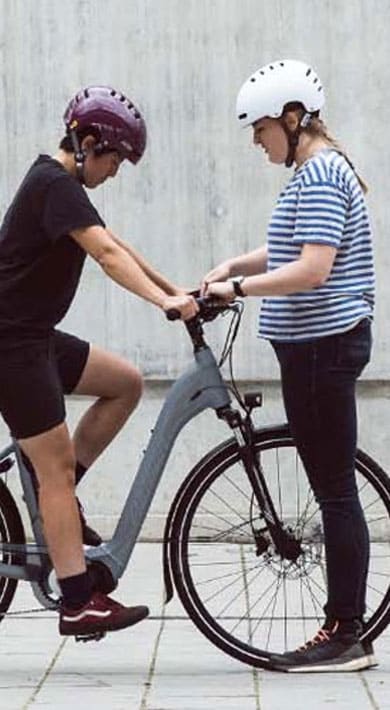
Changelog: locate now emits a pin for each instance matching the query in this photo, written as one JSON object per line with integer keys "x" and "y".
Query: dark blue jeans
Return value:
{"x": 318, "y": 382}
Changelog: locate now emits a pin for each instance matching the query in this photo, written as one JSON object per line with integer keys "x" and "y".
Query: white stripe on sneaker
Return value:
{"x": 83, "y": 614}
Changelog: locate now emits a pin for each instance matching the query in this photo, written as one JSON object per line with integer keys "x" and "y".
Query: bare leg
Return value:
{"x": 52, "y": 456}
{"x": 118, "y": 386}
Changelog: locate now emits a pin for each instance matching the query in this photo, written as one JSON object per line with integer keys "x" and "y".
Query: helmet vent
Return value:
{"x": 308, "y": 72}
{"x": 271, "y": 66}
{"x": 315, "y": 80}
{"x": 281, "y": 64}
{"x": 253, "y": 78}
{"x": 112, "y": 92}
{"x": 86, "y": 94}
{"x": 242, "y": 115}
{"x": 262, "y": 73}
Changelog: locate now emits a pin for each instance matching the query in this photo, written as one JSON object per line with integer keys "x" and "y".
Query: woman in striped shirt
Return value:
{"x": 316, "y": 280}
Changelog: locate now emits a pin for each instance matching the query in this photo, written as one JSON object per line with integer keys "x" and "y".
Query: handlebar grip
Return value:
{"x": 173, "y": 314}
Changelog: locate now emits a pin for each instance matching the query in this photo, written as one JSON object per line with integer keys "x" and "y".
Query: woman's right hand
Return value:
{"x": 219, "y": 273}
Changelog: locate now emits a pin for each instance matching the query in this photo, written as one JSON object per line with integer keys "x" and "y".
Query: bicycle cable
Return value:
{"x": 227, "y": 352}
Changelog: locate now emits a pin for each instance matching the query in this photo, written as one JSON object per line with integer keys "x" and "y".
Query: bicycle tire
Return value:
{"x": 11, "y": 532}
{"x": 188, "y": 546}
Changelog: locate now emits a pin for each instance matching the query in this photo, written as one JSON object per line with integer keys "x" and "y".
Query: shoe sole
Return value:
{"x": 356, "y": 664}
{"x": 87, "y": 631}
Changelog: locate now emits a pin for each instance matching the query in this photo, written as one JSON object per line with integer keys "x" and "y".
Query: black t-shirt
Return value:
{"x": 40, "y": 263}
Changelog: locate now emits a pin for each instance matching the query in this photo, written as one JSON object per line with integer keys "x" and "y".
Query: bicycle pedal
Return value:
{"x": 90, "y": 637}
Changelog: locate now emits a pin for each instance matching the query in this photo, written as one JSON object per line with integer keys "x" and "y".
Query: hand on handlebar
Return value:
{"x": 222, "y": 290}
{"x": 184, "y": 304}
{"x": 219, "y": 273}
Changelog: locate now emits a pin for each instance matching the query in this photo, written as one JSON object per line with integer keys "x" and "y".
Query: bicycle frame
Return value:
{"x": 199, "y": 388}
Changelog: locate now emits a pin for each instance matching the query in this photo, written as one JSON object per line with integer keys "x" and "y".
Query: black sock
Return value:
{"x": 76, "y": 590}
{"x": 79, "y": 472}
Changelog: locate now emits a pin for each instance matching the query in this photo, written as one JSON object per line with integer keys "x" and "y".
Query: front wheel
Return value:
{"x": 232, "y": 582}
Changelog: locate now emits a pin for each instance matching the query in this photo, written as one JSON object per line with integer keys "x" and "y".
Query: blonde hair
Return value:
{"x": 317, "y": 127}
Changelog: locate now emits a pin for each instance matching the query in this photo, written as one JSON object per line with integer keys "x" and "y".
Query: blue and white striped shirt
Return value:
{"x": 322, "y": 204}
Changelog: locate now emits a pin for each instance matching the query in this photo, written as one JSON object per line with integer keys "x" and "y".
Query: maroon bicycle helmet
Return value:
{"x": 115, "y": 121}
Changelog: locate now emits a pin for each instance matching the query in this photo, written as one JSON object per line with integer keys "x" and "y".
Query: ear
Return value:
{"x": 88, "y": 143}
{"x": 291, "y": 120}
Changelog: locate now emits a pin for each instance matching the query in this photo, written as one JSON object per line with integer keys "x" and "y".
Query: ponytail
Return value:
{"x": 317, "y": 127}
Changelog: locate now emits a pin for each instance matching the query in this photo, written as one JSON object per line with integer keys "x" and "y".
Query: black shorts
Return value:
{"x": 34, "y": 379}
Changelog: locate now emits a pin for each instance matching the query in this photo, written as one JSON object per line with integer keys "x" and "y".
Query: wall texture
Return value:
{"x": 202, "y": 192}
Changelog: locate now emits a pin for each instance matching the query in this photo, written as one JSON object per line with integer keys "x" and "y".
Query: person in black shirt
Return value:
{"x": 45, "y": 237}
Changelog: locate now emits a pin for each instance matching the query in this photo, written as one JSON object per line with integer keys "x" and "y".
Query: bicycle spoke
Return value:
{"x": 368, "y": 505}
{"x": 279, "y": 485}
{"x": 223, "y": 610}
{"x": 222, "y": 576}
{"x": 232, "y": 483}
{"x": 229, "y": 508}
{"x": 224, "y": 533}
{"x": 272, "y": 601}
{"x": 255, "y": 603}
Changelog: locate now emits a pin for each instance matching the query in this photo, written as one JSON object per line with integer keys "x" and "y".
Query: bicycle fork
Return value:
{"x": 284, "y": 540}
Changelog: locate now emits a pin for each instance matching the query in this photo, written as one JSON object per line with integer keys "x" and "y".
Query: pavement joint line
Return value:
{"x": 255, "y": 675}
{"x": 152, "y": 667}
{"x": 256, "y": 683}
{"x": 45, "y": 675}
{"x": 368, "y": 691}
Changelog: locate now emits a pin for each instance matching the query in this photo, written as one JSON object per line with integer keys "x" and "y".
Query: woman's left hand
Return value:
{"x": 220, "y": 289}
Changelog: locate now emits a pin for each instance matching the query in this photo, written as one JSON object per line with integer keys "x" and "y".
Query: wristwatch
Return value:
{"x": 237, "y": 281}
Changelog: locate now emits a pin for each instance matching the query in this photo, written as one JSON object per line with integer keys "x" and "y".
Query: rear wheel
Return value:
{"x": 234, "y": 585}
{"x": 11, "y": 533}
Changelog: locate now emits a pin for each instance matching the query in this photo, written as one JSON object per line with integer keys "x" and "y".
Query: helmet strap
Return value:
{"x": 293, "y": 137}
{"x": 79, "y": 155}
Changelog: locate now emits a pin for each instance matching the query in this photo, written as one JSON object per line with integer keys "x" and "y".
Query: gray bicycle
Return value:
{"x": 243, "y": 542}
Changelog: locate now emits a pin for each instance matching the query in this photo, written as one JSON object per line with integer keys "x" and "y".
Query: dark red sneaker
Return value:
{"x": 99, "y": 615}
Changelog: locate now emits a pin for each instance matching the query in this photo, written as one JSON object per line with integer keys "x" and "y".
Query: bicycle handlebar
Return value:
{"x": 209, "y": 308}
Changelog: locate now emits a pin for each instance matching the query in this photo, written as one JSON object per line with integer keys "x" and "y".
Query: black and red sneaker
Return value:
{"x": 99, "y": 615}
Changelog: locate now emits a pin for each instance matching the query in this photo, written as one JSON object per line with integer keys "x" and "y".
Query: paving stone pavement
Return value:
{"x": 164, "y": 663}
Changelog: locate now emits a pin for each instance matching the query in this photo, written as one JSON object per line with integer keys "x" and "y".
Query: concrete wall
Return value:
{"x": 201, "y": 193}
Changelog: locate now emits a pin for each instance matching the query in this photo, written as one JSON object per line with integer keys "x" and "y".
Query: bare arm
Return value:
{"x": 123, "y": 268}
{"x": 254, "y": 262}
{"x": 311, "y": 270}
{"x": 157, "y": 278}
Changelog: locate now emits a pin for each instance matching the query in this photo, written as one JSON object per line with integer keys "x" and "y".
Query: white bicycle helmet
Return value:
{"x": 269, "y": 89}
